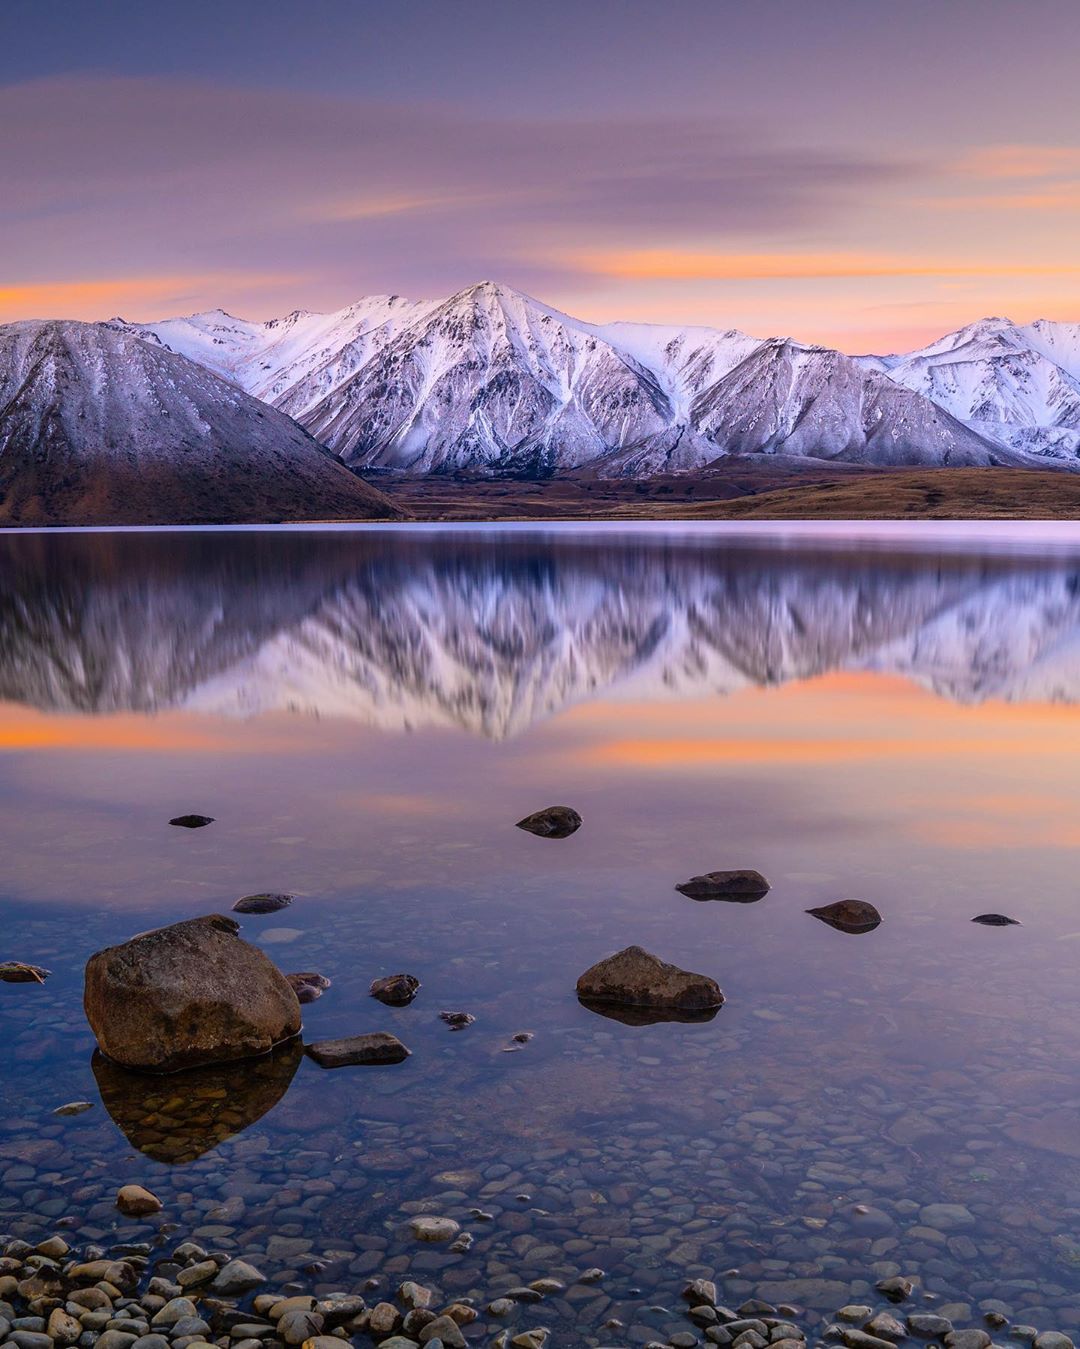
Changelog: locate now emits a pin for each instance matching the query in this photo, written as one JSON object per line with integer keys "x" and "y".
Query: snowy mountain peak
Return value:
{"x": 491, "y": 380}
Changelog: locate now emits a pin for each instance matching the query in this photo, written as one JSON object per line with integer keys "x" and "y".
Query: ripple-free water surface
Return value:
{"x": 366, "y": 715}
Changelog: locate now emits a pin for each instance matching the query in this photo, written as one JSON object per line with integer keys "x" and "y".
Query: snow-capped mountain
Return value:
{"x": 493, "y": 381}
{"x": 97, "y": 425}
{"x": 1016, "y": 384}
{"x": 398, "y": 633}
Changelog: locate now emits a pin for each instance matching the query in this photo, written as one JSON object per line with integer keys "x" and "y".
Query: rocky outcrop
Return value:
{"x": 190, "y": 994}
{"x": 636, "y": 978}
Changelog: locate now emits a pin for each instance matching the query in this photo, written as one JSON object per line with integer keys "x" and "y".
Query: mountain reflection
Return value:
{"x": 402, "y": 630}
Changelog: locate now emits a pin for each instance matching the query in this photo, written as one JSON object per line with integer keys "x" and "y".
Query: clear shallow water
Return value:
{"x": 367, "y": 714}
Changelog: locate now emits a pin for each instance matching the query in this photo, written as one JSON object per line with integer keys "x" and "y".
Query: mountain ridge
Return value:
{"x": 492, "y": 381}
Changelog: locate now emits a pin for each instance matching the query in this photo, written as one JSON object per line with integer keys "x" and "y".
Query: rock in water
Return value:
{"x": 308, "y": 986}
{"x": 457, "y": 1020}
{"x": 741, "y": 887}
{"x": 136, "y": 1202}
{"x": 552, "y": 822}
{"x": 267, "y": 903}
{"x": 849, "y": 915}
{"x": 15, "y": 972}
{"x": 193, "y": 993}
{"x": 378, "y": 1047}
{"x": 395, "y": 989}
{"x": 636, "y": 978}
{"x": 996, "y": 920}
{"x": 192, "y": 821}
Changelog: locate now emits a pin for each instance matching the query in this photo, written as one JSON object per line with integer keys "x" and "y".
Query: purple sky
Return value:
{"x": 852, "y": 171}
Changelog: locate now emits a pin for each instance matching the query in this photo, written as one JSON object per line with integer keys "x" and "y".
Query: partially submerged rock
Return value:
{"x": 189, "y": 994}
{"x": 16, "y": 972}
{"x": 996, "y": 920}
{"x": 308, "y": 985}
{"x": 636, "y": 978}
{"x": 849, "y": 915}
{"x": 192, "y": 821}
{"x": 426, "y": 1228}
{"x": 740, "y": 887}
{"x": 552, "y": 822}
{"x": 74, "y": 1108}
{"x": 457, "y": 1020}
{"x": 396, "y": 990}
{"x": 136, "y": 1202}
{"x": 263, "y": 903}
{"x": 375, "y": 1048}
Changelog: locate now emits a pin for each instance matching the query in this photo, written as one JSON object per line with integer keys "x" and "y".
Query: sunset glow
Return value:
{"x": 800, "y": 194}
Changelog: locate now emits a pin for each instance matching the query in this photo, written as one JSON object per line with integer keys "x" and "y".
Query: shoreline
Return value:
{"x": 162, "y": 1291}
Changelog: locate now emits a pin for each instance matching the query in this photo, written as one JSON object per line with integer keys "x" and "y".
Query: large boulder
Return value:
{"x": 636, "y": 978}
{"x": 190, "y": 994}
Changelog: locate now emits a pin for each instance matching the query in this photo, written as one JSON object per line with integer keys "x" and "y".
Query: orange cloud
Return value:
{"x": 1021, "y": 161}
{"x": 85, "y": 298}
{"x": 683, "y": 265}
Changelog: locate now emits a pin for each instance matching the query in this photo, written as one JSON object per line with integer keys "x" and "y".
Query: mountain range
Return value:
{"x": 212, "y": 418}
{"x": 492, "y": 381}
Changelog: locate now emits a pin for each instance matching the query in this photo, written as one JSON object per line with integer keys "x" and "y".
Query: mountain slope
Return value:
{"x": 789, "y": 399}
{"x": 492, "y": 381}
{"x": 1018, "y": 385}
{"x": 98, "y": 426}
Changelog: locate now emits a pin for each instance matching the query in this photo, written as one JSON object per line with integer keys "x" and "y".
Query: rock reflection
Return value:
{"x": 178, "y": 1118}
{"x": 646, "y": 1016}
{"x": 493, "y": 633}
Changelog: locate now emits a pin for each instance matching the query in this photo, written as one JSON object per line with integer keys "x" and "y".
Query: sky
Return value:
{"x": 864, "y": 173}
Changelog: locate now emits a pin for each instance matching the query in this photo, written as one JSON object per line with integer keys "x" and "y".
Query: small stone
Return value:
{"x": 1053, "y": 1339}
{"x": 396, "y": 990}
{"x": 635, "y": 977}
{"x": 998, "y": 920}
{"x": 848, "y": 915}
{"x": 457, "y": 1020}
{"x": 743, "y": 887}
{"x": 74, "y": 1108}
{"x": 700, "y": 1291}
{"x": 237, "y": 1277}
{"x": 136, "y": 1202}
{"x": 967, "y": 1339}
{"x": 412, "y": 1294}
{"x": 377, "y": 1047}
{"x": 383, "y": 1319}
{"x": 63, "y": 1328}
{"x": 434, "y": 1229}
{"x": 552, "y": 822}
{"x": 854, "y": 1312}
{"x": 886, "y": 1327}
{"x": 263, "y": 903}
{"x": 446, "y": 1329}
{"x": 177, "y": 1309}
{"x": 192, "y": 821}
{"x": 928, "y": 1326}
{"x": 896, "y": 1288}
{"x": 297, "y": 1325}
{"x": 16, "y": 972}
{"x": 202, "y": 1272}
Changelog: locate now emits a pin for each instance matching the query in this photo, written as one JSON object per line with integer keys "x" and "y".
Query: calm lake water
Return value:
{"x": 366, "y": 715}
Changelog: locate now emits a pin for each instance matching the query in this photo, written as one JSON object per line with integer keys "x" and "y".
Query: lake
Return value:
{"x": 365, "y": 714}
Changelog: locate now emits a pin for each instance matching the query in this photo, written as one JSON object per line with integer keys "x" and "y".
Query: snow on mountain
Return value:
{"x": 491, "y": 380}
{"x": 1015, "y": 384}
{"x": 97, "y": 425}
{"x": 785, "y": 398}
